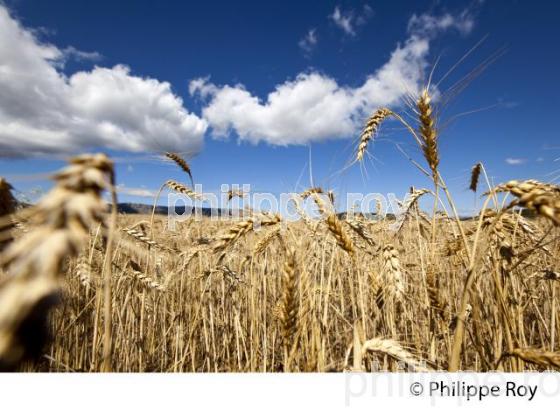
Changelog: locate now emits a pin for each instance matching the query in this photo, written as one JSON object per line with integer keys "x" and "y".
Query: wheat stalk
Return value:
{"x": 433, "y": 290}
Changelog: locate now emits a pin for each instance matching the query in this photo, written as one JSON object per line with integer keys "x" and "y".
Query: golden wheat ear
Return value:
{"x": 534, "y": 356}
{"x": 314, "y": 190}
{"x": 181, "y": 163}
{"x": 228, "y": 238}
{"x": 235, "y": 193}
{"x": 392, "y": 273}
{"x": 396, "y": 351}
{"x": 338, "y": 232}
{"x": 539, "y": 196}
{"x": 428, "y": 131}
{"x": 370, "y": 129}
{"x": 183, "y": 189}
{"x": 289, "y": 306}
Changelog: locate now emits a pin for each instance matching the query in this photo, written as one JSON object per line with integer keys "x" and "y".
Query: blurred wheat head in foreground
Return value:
{"x": 57, "y": 228}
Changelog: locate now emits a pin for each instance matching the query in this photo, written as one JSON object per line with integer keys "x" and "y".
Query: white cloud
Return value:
{"x": 314, "y": 106}
{"x": 428, "y": 25}
{"x": 141, "y": 192}
{"x": 308, "y": 108}
{"x": 44, "y": 111}
{"x": 308, "y": 43}
{"x": 348, "y": 21}
{"x": 202, "y": 86}
{"x": 343, "y": 20}
{"x": 79, "y": 55}
{"x": 515, "y": 161}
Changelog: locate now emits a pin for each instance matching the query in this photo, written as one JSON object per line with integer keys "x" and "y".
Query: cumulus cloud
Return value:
{"x": 515, "y": 161}
{"x": 44, "y": 111}
{"x": 308, "y": 43}
{"x": 314, "y": 106}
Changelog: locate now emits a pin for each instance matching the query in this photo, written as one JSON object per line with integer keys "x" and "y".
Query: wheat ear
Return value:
{"x": 392, "y": 272}
{"x": 475, "y": 175}
{"x": 370, "y": 129}
{"x": 314, "y": 190}
{"x": 183, "y": 189}
{"x": 342, "y": 238}
{"x": 235, "y": 193}
{"x": 83, "y": 269}
{"x": 359, "y": 228}
{"x": 61, "y": 223}
{"x": 409, "y": 205}
{"x": 534, "y": 356}
{"x": 395, "y": 350}
{"x": 289, "y": 305}
{"x": 146, "y": 280}
{"x": 428, "y": 131}
{"x": 539, "y": 196}
{"x": 266, "y": 240}
{"x": 238, "y": 230}
{"x": 181, "y": 163}
{"x": 143, "y": 238}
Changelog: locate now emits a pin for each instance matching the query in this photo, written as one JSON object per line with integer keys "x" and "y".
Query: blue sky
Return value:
{"x": 246, "y": 90}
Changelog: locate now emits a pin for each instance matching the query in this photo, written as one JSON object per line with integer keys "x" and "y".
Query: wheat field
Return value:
{"x": 85, "y": 290}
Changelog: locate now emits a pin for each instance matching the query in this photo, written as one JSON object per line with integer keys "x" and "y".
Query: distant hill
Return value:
{"x": 366, "y": 215}
{"x": 134, "y": 208}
